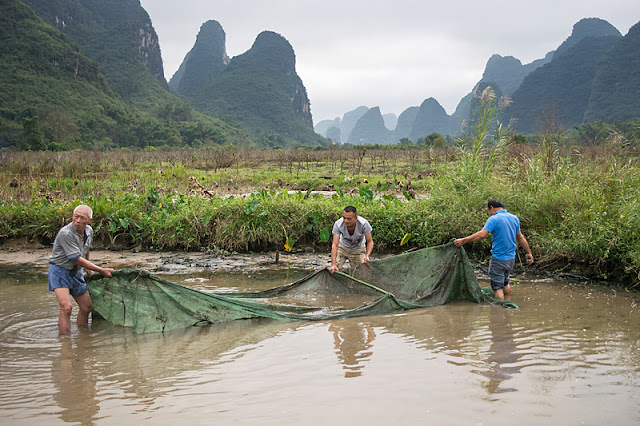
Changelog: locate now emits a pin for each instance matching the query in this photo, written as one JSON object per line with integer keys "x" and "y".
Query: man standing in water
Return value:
{"x": 351, "y": 240}
{"x": 504, "y": 228}
{"x": 70, "y": 255}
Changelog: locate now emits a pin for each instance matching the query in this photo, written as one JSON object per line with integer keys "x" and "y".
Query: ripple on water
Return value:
{"x": 39, "y": 333}
{"x": 570, "y": 353}
{"x": 28, "y": 349}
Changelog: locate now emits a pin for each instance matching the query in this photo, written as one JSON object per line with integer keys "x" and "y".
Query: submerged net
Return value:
{"x": 423, "y": 278}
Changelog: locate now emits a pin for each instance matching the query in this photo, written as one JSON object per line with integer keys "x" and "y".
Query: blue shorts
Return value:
{"x": 60, "y": 277}
{"x": 499, "y": 272}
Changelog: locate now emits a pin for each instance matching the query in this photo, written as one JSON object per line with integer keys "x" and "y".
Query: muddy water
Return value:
{"x": 570, "y": 355}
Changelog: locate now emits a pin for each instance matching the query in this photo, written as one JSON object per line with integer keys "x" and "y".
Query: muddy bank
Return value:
{"x": 36, "y": 256}
{"x": 173, "y": 262}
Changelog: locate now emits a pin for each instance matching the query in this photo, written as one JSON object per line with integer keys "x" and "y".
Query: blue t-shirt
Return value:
{"x": 503, "y": 227}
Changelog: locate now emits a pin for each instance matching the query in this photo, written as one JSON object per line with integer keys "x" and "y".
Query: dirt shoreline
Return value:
{"x": 20, "y": 254}
{"x": 36, "y": 256}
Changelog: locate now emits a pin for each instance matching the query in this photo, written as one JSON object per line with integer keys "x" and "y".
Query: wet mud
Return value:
{"x": 176, "y": 262}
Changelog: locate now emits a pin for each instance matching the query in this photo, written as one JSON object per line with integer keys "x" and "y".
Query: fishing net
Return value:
{"x": 422, "y": 278}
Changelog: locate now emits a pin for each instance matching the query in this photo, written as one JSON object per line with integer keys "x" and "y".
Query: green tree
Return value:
{"x": 33, "y": 134}
{"x": 435, "y": 140}
{"x": 64, "y": 129}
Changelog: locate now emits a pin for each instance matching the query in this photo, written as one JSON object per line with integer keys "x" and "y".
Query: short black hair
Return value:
{"x": 494, "y": 202}
{"x": 351, "y": 209}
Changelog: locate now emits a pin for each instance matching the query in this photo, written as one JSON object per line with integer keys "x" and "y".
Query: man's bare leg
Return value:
{"x": 85, "y": 305}
{"x": 507, "y": 290}
{"x": 66, "y": 306}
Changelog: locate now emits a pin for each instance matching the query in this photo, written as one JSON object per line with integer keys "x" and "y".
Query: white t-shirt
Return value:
{"x": 355, "y": 240}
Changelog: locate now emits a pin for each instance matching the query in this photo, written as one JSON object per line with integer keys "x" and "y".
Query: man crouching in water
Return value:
{"x": 351, "y": 240}
{"x": 66, "y": 279}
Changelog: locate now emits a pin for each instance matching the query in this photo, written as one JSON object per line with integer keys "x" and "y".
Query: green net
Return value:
{"x": 423, "y": 278}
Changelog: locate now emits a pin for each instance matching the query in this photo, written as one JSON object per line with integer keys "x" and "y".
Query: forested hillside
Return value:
{"x": 119, "y": 36}
{"x": 54, "y": 97}
{"x": 51, "y": 93}
{"x": 615, "y": 93}
{"x": 261, "y": 90}
{"x": 561, "y": 88}
{"x": 204, "y": 62}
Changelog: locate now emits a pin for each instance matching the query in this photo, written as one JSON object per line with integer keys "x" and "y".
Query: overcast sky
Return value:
{"x": 391, "y": 54}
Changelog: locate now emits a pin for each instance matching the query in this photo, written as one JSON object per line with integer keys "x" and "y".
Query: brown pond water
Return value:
{"x": 570, "y": 355}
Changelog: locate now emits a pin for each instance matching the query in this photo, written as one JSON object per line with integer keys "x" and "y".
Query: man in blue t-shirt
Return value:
{"x": 504, "y": 228}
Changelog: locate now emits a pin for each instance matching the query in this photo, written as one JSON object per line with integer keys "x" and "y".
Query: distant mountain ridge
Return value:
{"x": 94, "y": 77}
{"x": 430, "y": 116}
{"x": 587, "y": 27}
{"x": 370, "y": 128}
{"x": 508, "y": 72}
{"x": 578, "y": 82}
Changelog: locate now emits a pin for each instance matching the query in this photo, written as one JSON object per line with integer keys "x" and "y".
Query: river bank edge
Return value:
{"x": 15, "y": 253}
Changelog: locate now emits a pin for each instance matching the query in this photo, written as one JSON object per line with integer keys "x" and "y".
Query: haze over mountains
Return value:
{"x": 88, "y": 73}
{"x": 581, "y": 81}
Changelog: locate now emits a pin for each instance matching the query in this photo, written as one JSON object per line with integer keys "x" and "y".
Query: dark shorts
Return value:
{"x": 60, "y": 277}
{"x": 499, "y": 272}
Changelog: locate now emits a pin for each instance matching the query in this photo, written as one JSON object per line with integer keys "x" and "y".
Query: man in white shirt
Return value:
{"x": 351, "y": 240}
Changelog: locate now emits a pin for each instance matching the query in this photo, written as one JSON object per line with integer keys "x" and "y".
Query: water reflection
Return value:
{"x": 570, "y": 353}
{"x": 74, "y": 377}
{"x": 352, "y": 342}
{"x": 146, "y": 367}
{"x": 503, "y": 352}
{"x": 445, "y": 329}
{"x": 477, "y": 338}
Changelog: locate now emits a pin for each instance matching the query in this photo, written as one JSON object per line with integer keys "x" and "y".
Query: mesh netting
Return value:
{"x": 423, "y": 278}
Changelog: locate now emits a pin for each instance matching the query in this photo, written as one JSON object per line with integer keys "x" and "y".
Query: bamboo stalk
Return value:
{"x": 362, "y": 282}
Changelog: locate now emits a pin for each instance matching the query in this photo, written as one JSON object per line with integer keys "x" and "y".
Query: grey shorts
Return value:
{"x": 499, "y": 272}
